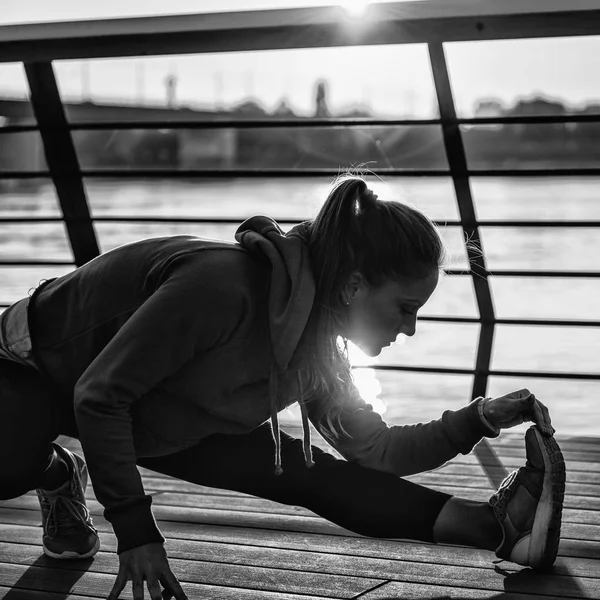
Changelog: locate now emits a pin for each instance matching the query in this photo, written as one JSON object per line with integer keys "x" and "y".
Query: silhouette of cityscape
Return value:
{"x": 488, "y": 146}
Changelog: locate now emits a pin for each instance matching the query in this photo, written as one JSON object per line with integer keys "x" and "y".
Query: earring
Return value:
{"x": 347, "y": 303}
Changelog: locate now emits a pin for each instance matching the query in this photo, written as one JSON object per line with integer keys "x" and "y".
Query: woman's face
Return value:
{"x": 377, "y": 315}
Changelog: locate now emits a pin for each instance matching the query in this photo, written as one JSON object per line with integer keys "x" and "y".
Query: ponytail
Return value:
{"x": 333, "y": 236}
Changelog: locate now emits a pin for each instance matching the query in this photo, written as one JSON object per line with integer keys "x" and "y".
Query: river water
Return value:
{"x": 403, "y": 397}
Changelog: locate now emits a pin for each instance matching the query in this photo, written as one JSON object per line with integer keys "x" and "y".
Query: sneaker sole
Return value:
{"x": 545, "y": 534}
{"x": 70, "y": 555}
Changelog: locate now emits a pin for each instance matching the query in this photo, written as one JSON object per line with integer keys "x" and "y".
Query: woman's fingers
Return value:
{"x": 536, "y": 411}
{"x": 118, "y": 587}
{"x": 154, "y": 589}
{"x": 526, "y": 405}
{"x": 137, "y": 585}
{"x": 172, "y": 587}
{"x": 518, "y": 407}
{"x": 543, "y": 414}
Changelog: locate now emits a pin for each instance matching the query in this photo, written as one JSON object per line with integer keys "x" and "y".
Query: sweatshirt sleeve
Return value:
{"x": 183, "y": 317}
{"x": 406, "y": 449}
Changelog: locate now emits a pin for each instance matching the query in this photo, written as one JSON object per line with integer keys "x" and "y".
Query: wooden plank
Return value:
{"x": 179, "y": 536}
{"x": 308, "y": 572}
{"x": 179, "y": 504}
{"x": 308, "y": 558}
{"x": 9, "y": 593}
{"x": 478, "y": 481}
{"x": 514, "y": 462}
{"x": 241, "y": 574}
{"x": 34, "y": 579}
{"x": 411, "y": 591}
{"x": 307, "y": 525}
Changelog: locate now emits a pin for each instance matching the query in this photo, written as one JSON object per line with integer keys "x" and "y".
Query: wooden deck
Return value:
{"x": 227, "y": 545}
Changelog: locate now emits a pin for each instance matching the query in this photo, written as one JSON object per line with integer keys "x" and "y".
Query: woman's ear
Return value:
{"x": 354, "y": 283}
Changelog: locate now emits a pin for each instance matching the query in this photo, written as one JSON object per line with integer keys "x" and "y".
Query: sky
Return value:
{"x": 395, "y": 81}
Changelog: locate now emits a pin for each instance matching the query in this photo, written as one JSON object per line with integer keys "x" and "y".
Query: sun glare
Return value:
{"x": 355, "y": 7}
{"x": 366, "y": 380}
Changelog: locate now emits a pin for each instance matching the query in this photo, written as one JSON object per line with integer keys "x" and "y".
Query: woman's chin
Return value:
{"x": 371, "y": 351}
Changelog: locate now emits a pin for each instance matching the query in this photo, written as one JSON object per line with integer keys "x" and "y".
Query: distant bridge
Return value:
{"x": 23, "y": 151}
{"x": 17, "y": 112}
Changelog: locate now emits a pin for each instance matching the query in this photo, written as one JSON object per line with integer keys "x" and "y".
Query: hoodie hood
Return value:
{"x": 292, "y": 290}
{"x": 291, "y": 297}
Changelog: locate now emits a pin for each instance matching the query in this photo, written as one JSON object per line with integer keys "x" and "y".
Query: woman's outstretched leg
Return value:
{"x": 362, "y": 500}
{"x": 521, "y": 522}
{"x": 467, "y": 523}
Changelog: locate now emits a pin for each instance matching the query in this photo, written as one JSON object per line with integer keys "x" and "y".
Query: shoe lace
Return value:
{"x": 66, "y": 514}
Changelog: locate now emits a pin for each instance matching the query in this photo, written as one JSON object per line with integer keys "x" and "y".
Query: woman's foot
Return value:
{"x": 69, "y": 532}
{"x": 528, "y": 504}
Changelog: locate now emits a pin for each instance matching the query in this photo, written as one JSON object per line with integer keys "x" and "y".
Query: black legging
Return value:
{"x": 368, "y": 502}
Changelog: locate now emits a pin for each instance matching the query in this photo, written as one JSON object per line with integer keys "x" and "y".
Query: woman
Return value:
{"x": 174, "y": 353}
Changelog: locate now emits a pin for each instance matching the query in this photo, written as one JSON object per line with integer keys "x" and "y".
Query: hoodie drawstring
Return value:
{"x": 306, "y": 442}
{"x": 275, "y": 419}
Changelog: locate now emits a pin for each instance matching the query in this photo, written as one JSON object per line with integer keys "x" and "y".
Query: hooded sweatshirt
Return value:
{"x": 164, "y": 341}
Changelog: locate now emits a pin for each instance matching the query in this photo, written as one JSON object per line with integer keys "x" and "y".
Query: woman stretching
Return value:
{"x": 177, "y": 353}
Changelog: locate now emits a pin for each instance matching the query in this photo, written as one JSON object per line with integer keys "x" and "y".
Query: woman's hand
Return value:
{"x": 516, "y": 408}
{"x": 147, "y": 563}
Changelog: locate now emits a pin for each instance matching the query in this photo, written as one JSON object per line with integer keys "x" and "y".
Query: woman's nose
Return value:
{"x": 409, "y": 327}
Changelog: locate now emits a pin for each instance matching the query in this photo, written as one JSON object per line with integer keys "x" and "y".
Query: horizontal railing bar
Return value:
{"x": 490, "y": 372}
{"x": 308, "y": 123}
{"x": 494, "y": 223}
{"x": 50, "y": 262}
{"x": 306, "y": 27}
{"x": 499, "y": 273}
{"x": 24, "y": 174}
{"x": 318, "y": 172}
{"x": 475, "y": 320}
{"x": 229, "y": 173}
{"x": 127, "y": 219}
{"x": 526, "y": 273}
{"x": 446, "y": 370}
{"x": 227, "y": 220}
{"x": 529, "y": 119}
{"x": 216, "y": 174}
{"x": 333, "y": 123}
{"x": 18, "y": 128}
{"x": 500, "y": 321}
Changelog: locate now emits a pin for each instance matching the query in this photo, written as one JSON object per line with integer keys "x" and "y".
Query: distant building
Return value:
{"x": 321, "y": 108}
{"x": 283, "y": 110}
{"x": 248, "y": 109}
{"x": 489, "y": 108}
{"x": 538, "y": 105}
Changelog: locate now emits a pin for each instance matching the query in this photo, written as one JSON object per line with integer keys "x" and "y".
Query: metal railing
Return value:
{"x": 432, "y": 23}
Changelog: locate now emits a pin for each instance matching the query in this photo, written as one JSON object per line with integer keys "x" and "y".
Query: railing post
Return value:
{"x": 457, "y": 162}
{"x": 62, "y": 160}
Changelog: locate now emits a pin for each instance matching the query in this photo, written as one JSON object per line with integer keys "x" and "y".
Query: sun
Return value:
{"x": 355, "y": 7}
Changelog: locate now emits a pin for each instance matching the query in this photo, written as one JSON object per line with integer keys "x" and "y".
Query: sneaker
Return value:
{"x": 528, "y": 504}
{"x": 68, "y": 529}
